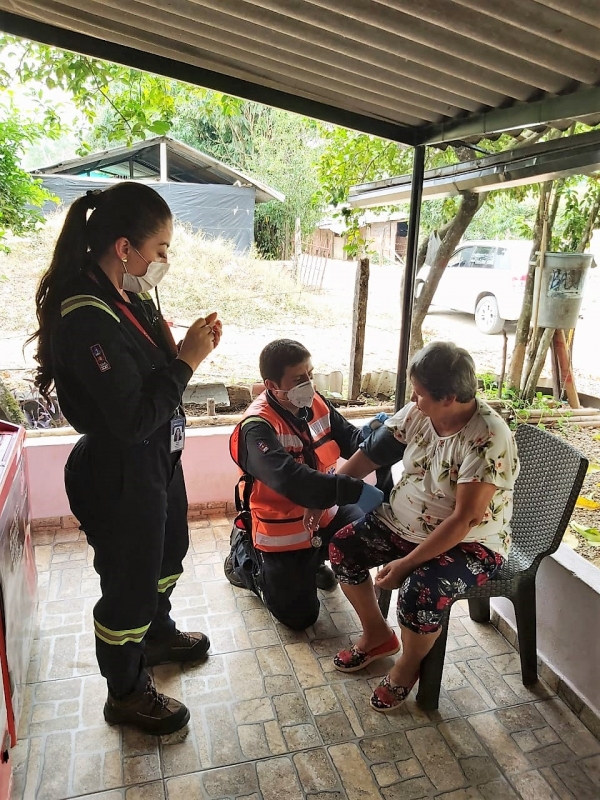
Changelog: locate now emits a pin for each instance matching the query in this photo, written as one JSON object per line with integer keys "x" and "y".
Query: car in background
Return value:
{"x": 483, "y": 278}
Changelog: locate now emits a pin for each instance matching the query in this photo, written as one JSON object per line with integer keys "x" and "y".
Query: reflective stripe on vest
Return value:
{"x": 80, "y": 300}
{"x": 282, "y": 542}
{"x": 277, "y": 523}
{"x": 319, "y": 427}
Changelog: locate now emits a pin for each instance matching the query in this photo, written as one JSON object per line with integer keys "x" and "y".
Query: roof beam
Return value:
{"x": 148, "y": 62}
{"x": 571, "y": 155}
{"x": 576, "y": 105}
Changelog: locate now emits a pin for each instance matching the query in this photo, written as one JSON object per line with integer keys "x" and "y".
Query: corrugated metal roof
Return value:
{"x": 185, "y": 164}
{"x": 411, "y": 70}
{"x": 573, "y": 155}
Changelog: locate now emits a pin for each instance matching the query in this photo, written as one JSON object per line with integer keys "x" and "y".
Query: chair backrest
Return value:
{"x": 548, "y": 485}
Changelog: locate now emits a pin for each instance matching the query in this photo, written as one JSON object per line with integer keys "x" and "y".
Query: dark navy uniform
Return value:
{"x": 288, "y": 580}
{"x": 119, "y": 383}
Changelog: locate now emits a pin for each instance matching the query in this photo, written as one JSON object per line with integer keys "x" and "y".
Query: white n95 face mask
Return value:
{"x": 302, "y": 396}
{"x": 144, "y": 283}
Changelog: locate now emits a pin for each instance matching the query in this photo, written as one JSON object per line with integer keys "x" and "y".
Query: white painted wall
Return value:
{"x": 568, "y": 621}
{"x": 210, "y": 474}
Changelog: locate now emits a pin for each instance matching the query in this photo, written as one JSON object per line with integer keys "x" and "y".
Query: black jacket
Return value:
{"x": 263, "y": 457}
{"x": 111, "y": 381}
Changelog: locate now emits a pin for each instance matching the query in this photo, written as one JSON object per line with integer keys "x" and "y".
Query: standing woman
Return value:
{"x": 119, "y": 380}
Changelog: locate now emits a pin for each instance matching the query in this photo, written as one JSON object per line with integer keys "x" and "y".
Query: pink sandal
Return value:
{"x": 388, "y": 697}
{"x": 354, "y": 659}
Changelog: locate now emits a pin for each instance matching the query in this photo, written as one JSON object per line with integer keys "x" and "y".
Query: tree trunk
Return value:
{"x": 359, "y": 323}
{"x": 522, "y": 335}
{"x": 10, "y": 410}
{"x": 422, "y": 253}
{"x": 454, "y": 231}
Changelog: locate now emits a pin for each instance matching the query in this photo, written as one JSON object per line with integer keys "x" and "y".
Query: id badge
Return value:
{"x": 177, "y": 434}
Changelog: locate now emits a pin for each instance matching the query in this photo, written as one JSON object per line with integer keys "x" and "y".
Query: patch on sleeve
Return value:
{"x": 100, "y": 358}
{"x": 262, "y": 445}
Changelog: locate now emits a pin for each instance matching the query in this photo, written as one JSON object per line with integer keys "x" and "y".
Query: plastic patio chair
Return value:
{"x": 548, "y": 485}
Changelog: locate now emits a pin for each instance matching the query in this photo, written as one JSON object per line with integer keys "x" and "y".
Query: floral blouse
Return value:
{"x": 484, "y": 450}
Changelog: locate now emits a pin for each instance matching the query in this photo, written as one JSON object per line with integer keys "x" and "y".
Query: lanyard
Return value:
{"x": 130, "y": 315}
{"x": 133, "y": 319}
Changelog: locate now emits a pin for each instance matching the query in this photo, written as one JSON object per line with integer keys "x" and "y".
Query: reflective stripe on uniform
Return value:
{"x": 145, "y": 295}
{"x": 80, "y": 300}
{"x": 281, "y": 541}
{"x": 289, "y": 440}
{"x": 320, "y": 426}
{"x": 120, "y": 637}
{"x": 166, "y": 583}
{"x": 254, "y": 419}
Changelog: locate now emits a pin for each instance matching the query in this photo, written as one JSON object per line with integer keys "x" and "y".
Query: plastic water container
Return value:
{"x": 563, "y": 281}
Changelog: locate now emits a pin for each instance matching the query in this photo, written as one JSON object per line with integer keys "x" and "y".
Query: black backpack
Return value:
{"x": 244, "y": 560}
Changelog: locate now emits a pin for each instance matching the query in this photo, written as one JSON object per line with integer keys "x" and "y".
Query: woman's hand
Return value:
{"x": 217, "y": 331}
{"x": 200, "y": 340}
{"x": 312, "y": 517}
{"x": 392, "y": 575}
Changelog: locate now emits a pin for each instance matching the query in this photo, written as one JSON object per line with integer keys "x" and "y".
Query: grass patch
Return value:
{"x": 205, "y": 275}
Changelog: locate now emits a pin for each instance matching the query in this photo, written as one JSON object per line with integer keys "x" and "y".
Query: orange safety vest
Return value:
{"x": 277, "y": 523}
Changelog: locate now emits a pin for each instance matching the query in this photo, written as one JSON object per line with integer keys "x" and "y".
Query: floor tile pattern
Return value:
{"x": 271, "y": 718}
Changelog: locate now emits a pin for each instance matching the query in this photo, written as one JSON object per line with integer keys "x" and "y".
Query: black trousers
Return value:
{"x": 132, "y": 506}
{"x": 288, "y": 581}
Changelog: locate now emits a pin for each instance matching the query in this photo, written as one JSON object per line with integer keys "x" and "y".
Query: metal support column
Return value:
{"x": 408, "y": 288}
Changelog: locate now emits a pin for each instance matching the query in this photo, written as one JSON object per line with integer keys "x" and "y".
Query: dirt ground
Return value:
{"x": 330, "y": 340}
{"x": 582, "y": 439}
{"x": 326, "y": 331}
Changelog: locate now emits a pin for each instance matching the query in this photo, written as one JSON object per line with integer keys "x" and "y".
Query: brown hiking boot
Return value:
{"x": 180, "y": 646}
{"x": 148, "y": 710}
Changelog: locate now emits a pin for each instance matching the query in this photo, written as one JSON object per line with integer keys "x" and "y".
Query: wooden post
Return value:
{"x": 537, "y": 286}
{"x": 566, "y": 375}
{"x": 359, "y": 323}
{"x": 297, "y": 248}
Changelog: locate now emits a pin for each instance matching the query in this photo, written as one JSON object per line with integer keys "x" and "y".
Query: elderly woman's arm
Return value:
{"x": 472, "y": 501}
{"x": 380, "y": 449}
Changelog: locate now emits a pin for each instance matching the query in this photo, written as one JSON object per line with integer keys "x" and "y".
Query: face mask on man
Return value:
{"x": 154, "y": 274}
{"x": 301, "y": 396}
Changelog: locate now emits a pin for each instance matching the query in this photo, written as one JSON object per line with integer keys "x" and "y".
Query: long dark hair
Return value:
{"x": 133, "y": 210}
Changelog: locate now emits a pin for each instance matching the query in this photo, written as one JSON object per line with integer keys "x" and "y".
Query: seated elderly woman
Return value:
{"x": 446, "y": 526}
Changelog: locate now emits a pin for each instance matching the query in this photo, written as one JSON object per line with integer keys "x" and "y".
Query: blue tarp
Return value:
{"x": 216, "y": 210}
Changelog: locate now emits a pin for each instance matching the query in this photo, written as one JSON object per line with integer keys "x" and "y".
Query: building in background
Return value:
{"x": 211, "y": 196}
{"x": 384, "y": 231}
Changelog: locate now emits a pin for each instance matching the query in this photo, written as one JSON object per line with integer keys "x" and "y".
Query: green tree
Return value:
{"x": 21, "y": 196}
{"x": 142, "y": 103}
{"x": 274, "y": 146}
{"x": 20, "y": 200}
{"x": 122, "y": 105}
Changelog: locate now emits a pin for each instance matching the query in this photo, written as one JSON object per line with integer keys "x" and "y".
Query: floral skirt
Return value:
{"x": 426, "y": 593}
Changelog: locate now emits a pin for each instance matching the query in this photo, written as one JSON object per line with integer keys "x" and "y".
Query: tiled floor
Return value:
{"x": 271, "y": 718}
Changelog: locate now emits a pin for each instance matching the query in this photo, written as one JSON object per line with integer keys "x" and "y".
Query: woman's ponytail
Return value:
{"x": 132, "y": 210}
{"x": 68, "y": 261}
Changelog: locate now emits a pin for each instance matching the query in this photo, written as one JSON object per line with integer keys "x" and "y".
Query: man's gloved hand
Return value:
{"x": 370, "y": 498}
{"x": 374, "y": 423}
